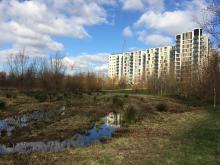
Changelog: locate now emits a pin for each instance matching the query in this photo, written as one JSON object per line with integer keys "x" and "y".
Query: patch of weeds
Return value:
{"x": 126, "y": 95}
{"x": 14, "y": 96}
{"x": 94, "y": 99}
{"x": 80, "y": 95}
{"x": 60, "y": 97}
{"x": 141, "y": 99}
{"x": 11, "y": 95}
{"x": 69, "y": 103}
{"x": 162, "y": 107}
{"x": 66, "y": 94}
{"x": 130, "y": 115}
{"x": 118, "y": 102}
{"x": 90, "y": 93}
{"x": 8, "y": 95}
{"x": 42, "y": 97}
{"x": 2, "y": 104}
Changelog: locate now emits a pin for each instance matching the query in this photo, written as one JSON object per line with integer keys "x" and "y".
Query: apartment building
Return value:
{"x": 160, "y": 61}
{"x": 190, "y": 52}
{"x": 115, "y": 66}
{"x": 138, "y": 66}
{"x": 129, "y": 66}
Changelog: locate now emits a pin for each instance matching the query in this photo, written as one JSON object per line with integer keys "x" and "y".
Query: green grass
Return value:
{"x": 197, "y": 145}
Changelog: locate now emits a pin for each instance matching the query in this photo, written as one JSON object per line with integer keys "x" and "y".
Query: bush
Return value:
{"x": 41, "y": 97}
{"x": 142, "y": 99}
{"x": 162, "y": 107}
{"x": 11, "y": 95}
{"x": 14, "y": 96}
{"x": 117, "y": 101}
{"x": 80, "y": 95}
{"x": 2, "y": 104}
{"x": 126, "y": 95}
{"x": 130, "y": 115}
{"x": 66, "y": 94}
{"x": 90, "y": 93}
{"x": 94, "y": 99}
{"x": 60, "y": 97}
{"x": 8, "y": 95}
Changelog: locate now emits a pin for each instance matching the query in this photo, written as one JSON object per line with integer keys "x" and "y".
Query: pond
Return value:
{"x": 105, "y": 130}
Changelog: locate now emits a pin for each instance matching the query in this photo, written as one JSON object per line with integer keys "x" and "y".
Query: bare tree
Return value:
{"x": 211, "y": 19}
{"x": 18, "y": 65}
{"x": 57, "y": 69}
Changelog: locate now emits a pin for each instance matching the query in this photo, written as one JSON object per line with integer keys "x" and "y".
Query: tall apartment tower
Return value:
{"x": 191, "y": 47}
{"x": 159, "y": 61}
{"x": 129, "y": 66}
{"x": 138, "y": 66}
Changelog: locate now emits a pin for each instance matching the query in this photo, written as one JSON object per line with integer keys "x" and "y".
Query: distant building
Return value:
{"x": 182, "y": 60}
{"x": 129, "y": 66}
{"x": 190, "y": 52}
{"x": 160, "y": 61}
{"x": 137, "y": 66}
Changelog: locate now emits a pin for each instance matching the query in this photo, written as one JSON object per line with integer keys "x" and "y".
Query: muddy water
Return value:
{"x": 9, "y": 124}
{"x": 94, "y": 135}
{"x": 20, "y": 121}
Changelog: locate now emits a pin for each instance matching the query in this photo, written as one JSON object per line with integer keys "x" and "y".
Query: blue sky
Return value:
{"x": 87, "y": 31}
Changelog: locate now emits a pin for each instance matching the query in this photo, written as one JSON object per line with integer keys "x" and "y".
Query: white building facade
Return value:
{"x": 190, "y": 52}
{"x": 138, "y": 66}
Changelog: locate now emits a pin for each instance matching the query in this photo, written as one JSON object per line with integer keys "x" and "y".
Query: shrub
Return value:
{"x": 90, "y": 93}
{"x": 94, "y": 99}
{"x": 117, "y": 101}
{"x": 2, "y": 104}
{"x": 130, "y": 115}
{"x": 41, "y": 97}
{"x": 80, "y": 95}
{"x": 162, "y": 107}
{"x": 126, "y": 95}
{"x": 142, "y": 99}
{"x": 60, "y": 97}
{"x": 11, "y": 95}
{"x": 66, "y": 94}
{"x": 14, "y": 96}
{"x": 8, "y": 95}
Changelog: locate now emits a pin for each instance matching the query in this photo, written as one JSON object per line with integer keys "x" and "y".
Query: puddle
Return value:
{"x": 9, "y": 124}
{"x": 94, "y": 135}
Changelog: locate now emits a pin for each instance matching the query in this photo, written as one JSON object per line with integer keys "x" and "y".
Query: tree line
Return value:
{"x": 43, "y": 74}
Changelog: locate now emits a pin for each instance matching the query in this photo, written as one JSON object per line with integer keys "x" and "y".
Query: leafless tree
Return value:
{"x": 211, "y": 19}
{"x": 18, "y": 65}
{"x": 57, "y": 68}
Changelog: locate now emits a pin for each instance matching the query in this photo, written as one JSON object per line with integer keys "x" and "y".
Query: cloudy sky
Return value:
{"x": 87, "y": 31}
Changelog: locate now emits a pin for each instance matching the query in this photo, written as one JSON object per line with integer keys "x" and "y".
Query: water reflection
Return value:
{"x": 9, "y": 124}
{"x": 94, "y": 135}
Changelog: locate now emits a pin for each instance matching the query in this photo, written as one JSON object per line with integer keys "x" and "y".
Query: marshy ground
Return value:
{"x": 155, "y": 130}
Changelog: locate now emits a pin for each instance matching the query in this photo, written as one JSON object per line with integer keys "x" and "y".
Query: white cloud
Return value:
{"x": 35, "y": 23}
{"x": 88, "y": 62}
{"x": 168, "y": 22}
{"x": 133, "y": 5}
{"x": 172, "y": 22}
{"x": 142, "y": 4}
{"x": 102, "y": 68}
{"x": 154, "y": 39}
{"x": 158, "y": 40}
{"x": 127, "y": 32}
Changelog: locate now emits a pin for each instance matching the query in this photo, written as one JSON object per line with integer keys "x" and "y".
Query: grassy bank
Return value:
{"x": 174, "y": 134}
